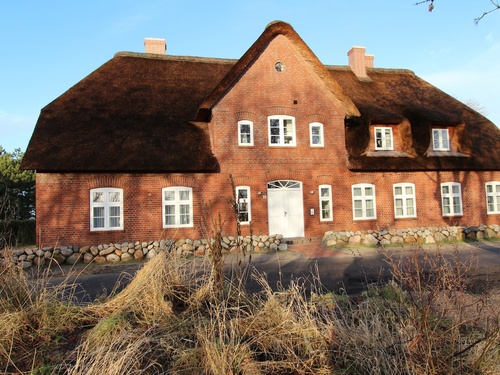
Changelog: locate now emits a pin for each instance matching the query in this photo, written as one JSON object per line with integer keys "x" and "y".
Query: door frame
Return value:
{"x": 284, "y": 186}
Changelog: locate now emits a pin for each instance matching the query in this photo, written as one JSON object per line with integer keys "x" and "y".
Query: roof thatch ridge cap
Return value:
{"x": 337, "y": 67}
{"x": 154, "y": 56}
{"x": 391, "y": 70}
{"x": 372, "y": 70}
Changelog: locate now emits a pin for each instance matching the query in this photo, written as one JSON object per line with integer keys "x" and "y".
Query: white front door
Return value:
{"x": 285, "y": 208}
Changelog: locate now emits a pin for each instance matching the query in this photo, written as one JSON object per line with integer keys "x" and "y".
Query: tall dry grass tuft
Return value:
{"x": 131, "y": 351}
{"x": 449, "y": 330}
{"x": 151, "y": 296}
{"x": 368, "y": 337}
{"x": 34, "y": 316}
{"x": 283, "y": 330}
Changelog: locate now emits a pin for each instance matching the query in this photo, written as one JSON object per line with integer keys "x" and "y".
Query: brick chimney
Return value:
{"x": 359, "y": 61}
{"x": 155, "y": 45}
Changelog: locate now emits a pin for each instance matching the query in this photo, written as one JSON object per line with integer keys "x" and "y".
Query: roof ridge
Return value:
{"x": 153, "y": 56}
{"x": 373, "y": 70}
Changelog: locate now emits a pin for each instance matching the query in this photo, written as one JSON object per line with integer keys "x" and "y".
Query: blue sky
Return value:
{"x": 47, "y": 46}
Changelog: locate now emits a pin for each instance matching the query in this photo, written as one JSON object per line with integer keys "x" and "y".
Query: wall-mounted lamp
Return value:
{"x": 312, "y": 192}
{"x": 259, "y": 193}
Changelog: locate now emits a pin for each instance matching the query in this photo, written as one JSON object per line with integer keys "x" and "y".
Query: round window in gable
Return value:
{"x": 279, "y": 66}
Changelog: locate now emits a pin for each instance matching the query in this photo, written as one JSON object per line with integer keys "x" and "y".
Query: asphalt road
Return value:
{"x": 342, "y": 270}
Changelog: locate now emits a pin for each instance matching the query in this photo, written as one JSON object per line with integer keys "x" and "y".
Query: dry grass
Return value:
{"x": 175, "y": 318}
{"x": 35, "y": 316}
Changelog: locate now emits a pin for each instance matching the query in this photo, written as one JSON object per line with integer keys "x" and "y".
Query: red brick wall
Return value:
{"x": 63, "y": 206}
{"x": 63, "y": 203}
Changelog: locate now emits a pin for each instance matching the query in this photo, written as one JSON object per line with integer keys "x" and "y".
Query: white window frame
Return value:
{"x": 440, "y": 139}
{"x": 108, "y": 204}
{"x": 283, "y": 138}
{"x": 365, "y": 202}
{"x": 325, "y": 199}
{"x": 384, "y": 137}
{"x": 405, "y": 200}
{"x": 319, "y": 137}
{"x": 240, "y": 201}
{"x": 240, "y": 133}
{"x": 493, "y": 197}
{"x": 179, "y": 204}
{"x": 451, "y": 198}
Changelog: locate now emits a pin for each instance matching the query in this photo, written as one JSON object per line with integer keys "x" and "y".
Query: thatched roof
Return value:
{"x": 399, "y": 97}
{"x": 131, "y": 114}
{"x": 149, "y": 113}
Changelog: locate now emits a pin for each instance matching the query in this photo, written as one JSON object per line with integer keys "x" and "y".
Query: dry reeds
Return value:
{"x": 173, "y": 318}
{"x": 34, "y": 316}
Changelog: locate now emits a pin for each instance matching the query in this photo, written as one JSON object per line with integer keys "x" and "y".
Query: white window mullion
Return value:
{"x": 440, "y": 140}
{"x": 493, "y": 197}
{"x": 451, "y": 199}
{"x": 404, "y": 200}
{"x": 245, "y": 133}
{"x": 281, "y": 131}
{"x": 106, "y": 209}
{"x": 177, "y": 207}
{"x": 316, "y": 134}
{"x": 243, "y": 204}
{"x": 383, "y": 139}
{"x": 363, "y": 202}
{"x": 325, "y": 202}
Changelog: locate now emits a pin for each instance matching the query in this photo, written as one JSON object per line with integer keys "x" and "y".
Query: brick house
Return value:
{"x": 146, "y": 146}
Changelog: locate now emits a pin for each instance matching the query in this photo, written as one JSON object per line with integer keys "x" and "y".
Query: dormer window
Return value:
{"x": 440, "y": 140}
{"x": 383, "y": 139}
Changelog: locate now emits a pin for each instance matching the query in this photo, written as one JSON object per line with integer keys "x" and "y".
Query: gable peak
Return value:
{"x": 278, "y": 24}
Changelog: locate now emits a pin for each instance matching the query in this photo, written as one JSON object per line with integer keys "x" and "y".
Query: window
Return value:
{"x": 243, "y": 204}
{"x": 281, "y": 131}
{"x": 383, "y": 139}
{"x": 451, "y": 198}
{"x": 245, "y": 133}
{"x": 493, "y": 197}
{"x": 325, "y": 202}
{"x": 106, "y": 209}
{"x": 440, "y": 140}
{"x": 363, "y": 201}
{"x": 177, "y": 207}
{"x": 316, "y": 131}
{"x": 404, "y": 200}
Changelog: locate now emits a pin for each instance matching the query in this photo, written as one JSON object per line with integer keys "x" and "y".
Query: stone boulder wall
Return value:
{"x": 127, "y": 251}
{"x": 422, "y": 235}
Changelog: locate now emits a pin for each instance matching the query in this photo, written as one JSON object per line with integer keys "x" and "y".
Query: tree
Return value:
{"x": 495, "y": 3}
{"x": 17, "y": 188}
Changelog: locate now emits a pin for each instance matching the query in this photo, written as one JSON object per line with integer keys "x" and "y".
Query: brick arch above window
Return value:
{"x": 280, "y": 111}
{"x": 245, "y": 115}
{"x": 316, "y": 117}
{"x": 105, "y": 181}
{"x": 179, "y": 180}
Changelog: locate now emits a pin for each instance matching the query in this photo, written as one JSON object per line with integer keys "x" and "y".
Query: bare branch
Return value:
{"x": 496, "y": 5}
{"x": 431, "y": 5}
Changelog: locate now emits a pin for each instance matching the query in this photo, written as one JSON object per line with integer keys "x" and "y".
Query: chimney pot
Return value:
{"x": 155, "y": 45}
